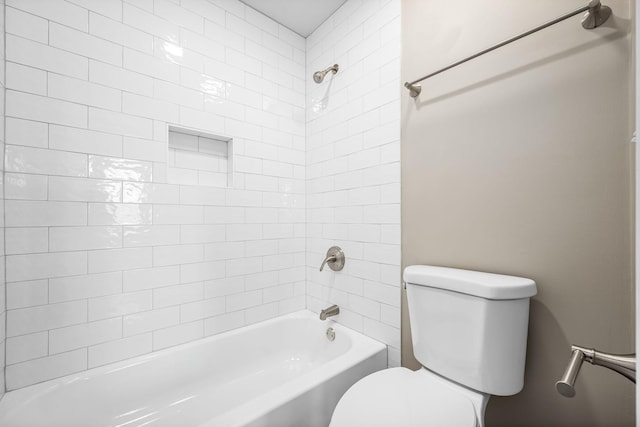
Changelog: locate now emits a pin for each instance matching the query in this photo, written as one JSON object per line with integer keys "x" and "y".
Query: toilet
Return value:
{"x": 469, "y": 332}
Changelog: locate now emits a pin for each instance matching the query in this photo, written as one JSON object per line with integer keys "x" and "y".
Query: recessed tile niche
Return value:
{"x": 198, "y": 158}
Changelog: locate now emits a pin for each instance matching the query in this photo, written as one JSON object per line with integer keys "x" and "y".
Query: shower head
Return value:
{"x": 318, "y": 76}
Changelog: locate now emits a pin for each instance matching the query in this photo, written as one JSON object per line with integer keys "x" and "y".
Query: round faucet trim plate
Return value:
{"x": 338, "y": 264}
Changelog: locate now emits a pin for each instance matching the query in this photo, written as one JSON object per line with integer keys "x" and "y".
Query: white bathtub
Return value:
{"x": 282, "y": 372}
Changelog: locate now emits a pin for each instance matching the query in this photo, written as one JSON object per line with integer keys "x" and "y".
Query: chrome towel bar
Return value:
{"x": 596, "y": 15}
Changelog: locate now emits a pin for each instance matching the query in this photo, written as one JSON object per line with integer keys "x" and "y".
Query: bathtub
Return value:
{"x": 281, "y": 372}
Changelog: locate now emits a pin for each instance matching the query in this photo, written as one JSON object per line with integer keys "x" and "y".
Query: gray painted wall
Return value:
{"x": 520, "y": 163}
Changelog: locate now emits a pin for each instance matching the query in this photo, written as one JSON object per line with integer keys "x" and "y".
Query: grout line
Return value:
{"x": 4, "y": 240}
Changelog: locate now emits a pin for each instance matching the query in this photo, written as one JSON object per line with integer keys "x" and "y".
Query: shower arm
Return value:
{"x": 624, "y": 364}
{"x": 334, "y": 69}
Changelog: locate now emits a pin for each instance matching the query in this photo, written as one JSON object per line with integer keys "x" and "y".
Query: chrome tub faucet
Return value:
{"x": 333, "y": 310}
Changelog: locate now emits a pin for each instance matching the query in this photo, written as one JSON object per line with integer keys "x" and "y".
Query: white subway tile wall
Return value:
{"x": 353, "y": 168}
{"x": 3, "y": 288}
{"x": 106, "y": 259}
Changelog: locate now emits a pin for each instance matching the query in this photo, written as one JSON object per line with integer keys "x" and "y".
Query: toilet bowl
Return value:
{"x": 401, "y": 397}
{"x": 469, "y": 332}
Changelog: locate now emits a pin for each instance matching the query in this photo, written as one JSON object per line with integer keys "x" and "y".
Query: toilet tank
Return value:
{"x": 470, "y": 326}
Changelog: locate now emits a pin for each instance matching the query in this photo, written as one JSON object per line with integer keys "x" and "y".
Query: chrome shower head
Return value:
{"x": 318, "y": 76}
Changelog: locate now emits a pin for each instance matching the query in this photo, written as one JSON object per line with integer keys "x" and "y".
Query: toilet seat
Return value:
{"x": 401, "y": 397}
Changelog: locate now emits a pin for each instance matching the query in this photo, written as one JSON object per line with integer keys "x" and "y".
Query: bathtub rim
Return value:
{"x": 361, "y": 345}
{"x": 306, "y": 382}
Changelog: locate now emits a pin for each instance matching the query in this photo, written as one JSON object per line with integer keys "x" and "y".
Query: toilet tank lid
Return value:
{"x": 477, "y": 283}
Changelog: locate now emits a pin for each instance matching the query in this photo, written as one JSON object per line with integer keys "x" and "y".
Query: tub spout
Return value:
{"x": 334, "y": 310}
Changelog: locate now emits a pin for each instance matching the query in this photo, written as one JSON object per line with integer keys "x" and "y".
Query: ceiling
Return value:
{"x": 301, "y": 16}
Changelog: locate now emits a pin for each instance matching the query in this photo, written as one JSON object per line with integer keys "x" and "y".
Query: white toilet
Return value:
{"x": 469, "y": 332}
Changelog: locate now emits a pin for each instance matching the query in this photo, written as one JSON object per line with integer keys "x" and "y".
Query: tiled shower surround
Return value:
{"x": 106, "y": 260}
{"x": 353, "y": 168}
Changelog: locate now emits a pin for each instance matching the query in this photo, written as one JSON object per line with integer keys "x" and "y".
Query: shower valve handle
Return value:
{"x": 334, "y": 258}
